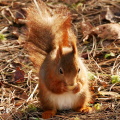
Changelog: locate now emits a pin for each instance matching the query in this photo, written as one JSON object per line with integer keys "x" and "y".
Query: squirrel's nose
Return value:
{"x": 71, "y": 83}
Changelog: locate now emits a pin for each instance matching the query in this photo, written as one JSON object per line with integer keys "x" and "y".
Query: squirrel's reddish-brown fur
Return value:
{"x": 51, "y": 43}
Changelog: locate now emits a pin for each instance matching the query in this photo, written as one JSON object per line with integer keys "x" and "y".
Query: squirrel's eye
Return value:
{"x": 78, "y": 70}
{"x": 61, "y": 71}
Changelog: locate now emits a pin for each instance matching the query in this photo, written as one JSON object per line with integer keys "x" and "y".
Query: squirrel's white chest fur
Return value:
{"x": 64, "y": 101}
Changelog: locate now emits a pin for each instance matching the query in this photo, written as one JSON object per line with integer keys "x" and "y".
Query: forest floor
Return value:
{"x": 97, "y": 26}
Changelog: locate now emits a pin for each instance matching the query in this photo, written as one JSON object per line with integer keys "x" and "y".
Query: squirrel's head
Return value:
{"x": 67, "y": 64}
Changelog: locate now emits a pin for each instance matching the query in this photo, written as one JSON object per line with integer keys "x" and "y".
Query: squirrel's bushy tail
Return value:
{"x": 47, "y": 28}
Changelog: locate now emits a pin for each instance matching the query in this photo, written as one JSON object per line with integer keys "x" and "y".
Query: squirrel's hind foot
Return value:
{"x": 48, "y": 114}
{"x": 85, "y": 110}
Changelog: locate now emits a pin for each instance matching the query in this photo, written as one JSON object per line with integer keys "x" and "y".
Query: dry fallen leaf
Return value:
{"x": 19, "y": 75}
{"x": 109, "y": 15}
{"x": 105, "y": 31}
{"x": 112, "y": 15}
{"x": 19, "y": 102}
{"x": 23, "y": 95}
{"x": 111, "y": 94}
{"x": 85, "y": 28}
{"x": 104, "y": 84}
{"x": 6, "y": 116}
{"x": 3, "y": 3}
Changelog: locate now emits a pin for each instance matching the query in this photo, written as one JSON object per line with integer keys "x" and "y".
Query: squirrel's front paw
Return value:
{"x": 48, "y": 114}
{"x": 58, "y": 87}
{"x": 61, "y": 88}
{"x": 77, "y": 88}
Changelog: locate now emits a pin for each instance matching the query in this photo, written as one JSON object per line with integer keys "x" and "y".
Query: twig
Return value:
{"x": 114, "y": 66}
{"x": 105, "y": 99}
{"x": 14, "y": 86}
{"x": 32, "y": 93}
{"x": 10, "y": 47}
{"x": 107, "y": 61}
{"x": 29, "y": 81}
{"x": 29, "y": 97}
{"x": 3, "y": 30}
{"x": 113, "y": 86}
{"x": 111, "y": 2}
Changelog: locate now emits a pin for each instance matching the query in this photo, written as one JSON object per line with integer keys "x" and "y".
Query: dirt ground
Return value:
{"x": 97, "y": 26}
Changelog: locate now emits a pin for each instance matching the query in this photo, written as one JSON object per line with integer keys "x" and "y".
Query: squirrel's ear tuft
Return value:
{"x": 59, "y": 51}
{"x": 74, "y": 47}
{"x": 65, "y": 27}
{"x": 67, "y": 23}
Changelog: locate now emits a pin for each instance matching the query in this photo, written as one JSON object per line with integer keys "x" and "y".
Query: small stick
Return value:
{"x": 4, "y": 30}
{"x": 32, "y": 93}
{"x": 111, "y": 60}
{"x": 14, "y": 86}
{"x": 105, "y": 99}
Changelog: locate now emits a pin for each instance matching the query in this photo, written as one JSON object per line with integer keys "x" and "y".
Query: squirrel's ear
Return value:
{"x": 66, "y": 25}
{"x": 74, "y": 47}
{"x": 59, "y": 51}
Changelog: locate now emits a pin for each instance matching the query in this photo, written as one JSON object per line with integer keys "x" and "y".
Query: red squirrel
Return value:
{"x": 51, "y": 43}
